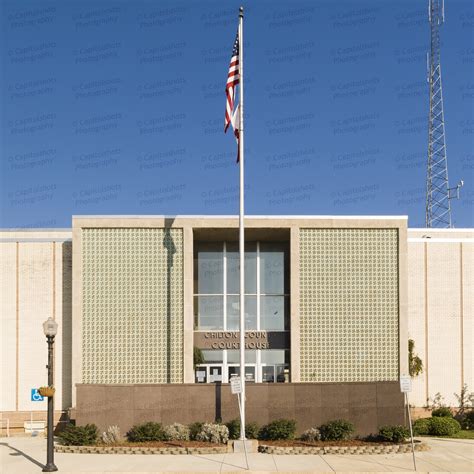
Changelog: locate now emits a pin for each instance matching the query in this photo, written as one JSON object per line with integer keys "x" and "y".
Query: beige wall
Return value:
{"x": 441, "y": 289}
{"x": 35, "y": 283}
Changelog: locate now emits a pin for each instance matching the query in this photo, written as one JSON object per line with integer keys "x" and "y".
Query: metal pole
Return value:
{"x": 241, "y": 222}
{"x": 50, "y": 466}
{"x": 411, "y": 430}
{"x": 243, "y": 441}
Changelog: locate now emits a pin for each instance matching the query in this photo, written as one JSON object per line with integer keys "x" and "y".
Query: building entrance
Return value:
{"x": 258, "y": 373}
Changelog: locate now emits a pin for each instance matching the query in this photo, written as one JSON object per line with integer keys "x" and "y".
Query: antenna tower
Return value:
{"x": 438, "y": 192}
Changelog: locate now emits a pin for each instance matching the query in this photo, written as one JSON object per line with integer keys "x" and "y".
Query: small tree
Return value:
{"x": 415, "y": 364}
{"x": 436, "y": 402}
{"x": 198, "y": 357}
{"x": 465, "y": 400}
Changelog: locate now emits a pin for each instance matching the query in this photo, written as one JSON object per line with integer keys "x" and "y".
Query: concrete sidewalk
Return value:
{"x": 27, "y": 455}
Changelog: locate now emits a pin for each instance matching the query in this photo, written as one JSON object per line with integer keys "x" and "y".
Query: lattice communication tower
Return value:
{"x": 438, "y": 192}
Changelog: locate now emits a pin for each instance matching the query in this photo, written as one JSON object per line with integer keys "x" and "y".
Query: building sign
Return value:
{"x": 231, "y": 339}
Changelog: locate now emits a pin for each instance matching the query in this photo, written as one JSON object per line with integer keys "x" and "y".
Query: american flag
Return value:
{"x": 233, "y": 78}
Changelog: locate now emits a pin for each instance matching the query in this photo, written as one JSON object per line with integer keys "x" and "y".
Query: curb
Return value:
{"x": 266, "y": 449}
{"x": 137, "y": 450}
{"x": 393, "y": 449}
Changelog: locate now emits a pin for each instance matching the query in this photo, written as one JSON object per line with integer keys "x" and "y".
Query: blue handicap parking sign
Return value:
{"x": 35, "y": 395}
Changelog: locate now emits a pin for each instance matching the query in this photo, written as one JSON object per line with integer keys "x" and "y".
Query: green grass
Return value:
{"x": 463, "y": 434}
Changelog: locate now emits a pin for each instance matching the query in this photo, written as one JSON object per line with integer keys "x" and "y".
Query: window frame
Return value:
{"x": 258, "y": 294}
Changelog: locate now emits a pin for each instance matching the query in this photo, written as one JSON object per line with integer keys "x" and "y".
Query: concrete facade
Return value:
{"x": 260, "y": 227}
{"x": 441, "y": 311}
{"x": 436, "y": 279}
{"x": 35, "y": 284}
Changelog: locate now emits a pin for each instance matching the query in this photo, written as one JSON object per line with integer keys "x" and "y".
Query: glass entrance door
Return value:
{"x": 271, "y": 366}
{"x": 280, "y": 372}
{"x": 200, "y": 374}
{"x": 215, "y": 373}
{"x": 208, "y": 373}
{"x": 268, "y": 373}
{"x": 234, "y": 370}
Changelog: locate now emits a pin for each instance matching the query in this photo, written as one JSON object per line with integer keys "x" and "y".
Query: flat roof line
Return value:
{"x": 235, "y": 216}
{"x": 36, "y": 229}
{"x": 440, "y": 240}
{"x": 33, "y": 239}
{"x": 428, "y": 229}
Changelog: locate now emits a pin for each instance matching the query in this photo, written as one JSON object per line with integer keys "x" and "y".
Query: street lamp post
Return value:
{"x": 50, "y": 328}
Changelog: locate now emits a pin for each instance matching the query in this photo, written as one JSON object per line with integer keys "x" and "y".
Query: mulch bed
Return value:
{"x": 162, "y": 444}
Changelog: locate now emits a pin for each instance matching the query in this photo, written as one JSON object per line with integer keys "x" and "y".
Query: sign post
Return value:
{"x": 236, "y": 389}
{"x": 405, "y": 387}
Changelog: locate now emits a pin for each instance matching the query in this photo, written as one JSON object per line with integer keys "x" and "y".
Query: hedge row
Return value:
{"x": 436, "y": 426}
{"x": 282, "y": 429}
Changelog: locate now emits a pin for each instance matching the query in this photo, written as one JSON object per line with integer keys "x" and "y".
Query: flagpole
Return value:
{"x": 241, "y": 223}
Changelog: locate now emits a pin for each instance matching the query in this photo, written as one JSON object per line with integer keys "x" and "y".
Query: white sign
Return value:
{"x": 405, "y": 383}
{"x": 235, "y": 385}
{"x": 201, "y": 375}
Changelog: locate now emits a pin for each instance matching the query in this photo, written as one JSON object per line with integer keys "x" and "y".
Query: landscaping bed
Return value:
{"x": 277, "y": 437}
{"x": 324, "y": 444}
{"x": 269, "y": 447}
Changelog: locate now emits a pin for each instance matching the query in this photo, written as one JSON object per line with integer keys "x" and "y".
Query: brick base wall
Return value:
{"x": 367, "y": 405}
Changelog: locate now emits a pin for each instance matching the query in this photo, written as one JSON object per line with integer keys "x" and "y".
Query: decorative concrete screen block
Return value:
{"x": 132, "y": 313}
{"x": 349, "y": 305}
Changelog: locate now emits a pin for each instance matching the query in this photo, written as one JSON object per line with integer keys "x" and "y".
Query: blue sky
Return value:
{"x": 117, "y": 107}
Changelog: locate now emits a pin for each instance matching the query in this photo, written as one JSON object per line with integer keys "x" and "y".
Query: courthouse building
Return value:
{"x": 148, "y": 314}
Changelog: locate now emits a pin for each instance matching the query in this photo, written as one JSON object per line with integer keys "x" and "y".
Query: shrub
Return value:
{"x": 278, "y": 429}
{"x": 177, "y": 432}
{"x": 422, "y": 426}
{"x": 442, "y": 411}
{"x": 194, "y": 429}
{"x": 251, "y": 429}
{"x": 466, "y": 420}
{"x": 147, "y": 432}
{"x": 336, "y": 430}
{"x": 213, "y": 433}
{"x": 469, "y": 420}
{"x": 112, "y": 435}
{"x": 78, "y": 435}
{"x": 394, "y": 433}
{"x": 234, "y": 428}
{"x": 313, "y": 434}
{"x": 444, "y": 426}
